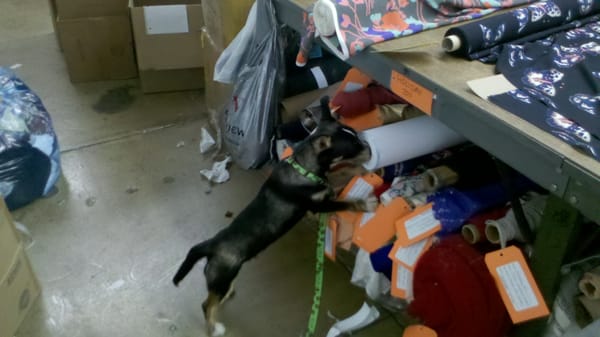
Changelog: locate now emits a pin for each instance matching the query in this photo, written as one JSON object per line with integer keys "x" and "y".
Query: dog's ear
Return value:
{"x": 321, "y": 143}
{"x": 325, "y": 110}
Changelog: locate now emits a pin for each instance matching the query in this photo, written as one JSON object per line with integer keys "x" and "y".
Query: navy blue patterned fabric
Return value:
{"x": 534, "y": 111}
{"x": 484, "y": 38}
{"x": 559, "y": 84}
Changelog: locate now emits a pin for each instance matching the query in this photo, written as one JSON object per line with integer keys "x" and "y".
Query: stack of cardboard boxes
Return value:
{"x": 101, "y": 40}
{"x": 169, "y": 43}
{"x": 95, "y": 37}
{"x": 167, "y": 36}
{"x": 18, "y": 285}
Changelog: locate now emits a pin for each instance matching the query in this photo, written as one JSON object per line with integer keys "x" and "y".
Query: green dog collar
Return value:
{"x": 311, "y": 176}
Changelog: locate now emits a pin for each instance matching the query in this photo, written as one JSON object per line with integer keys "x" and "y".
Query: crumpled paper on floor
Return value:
{"x": 363, "y": 317}
{"x": 218, "y": 173}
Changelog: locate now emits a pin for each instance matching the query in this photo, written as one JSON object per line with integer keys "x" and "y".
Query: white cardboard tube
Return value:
{"x": 397, "y": 142}
{"x": 451, "y": 43}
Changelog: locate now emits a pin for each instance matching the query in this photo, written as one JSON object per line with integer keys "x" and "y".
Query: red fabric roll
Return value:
{"x": 364, "y": 100}
{"x": 455, "y": 294}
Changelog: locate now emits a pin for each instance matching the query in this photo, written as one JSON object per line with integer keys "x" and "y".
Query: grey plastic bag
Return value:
{"x": 250, "y": 115}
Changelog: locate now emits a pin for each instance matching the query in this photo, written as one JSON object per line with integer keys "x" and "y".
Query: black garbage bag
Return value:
{"x": 29, "y": 152}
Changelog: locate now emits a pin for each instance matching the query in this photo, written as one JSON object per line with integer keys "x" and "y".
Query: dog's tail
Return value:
{"x": 195, "y": 254}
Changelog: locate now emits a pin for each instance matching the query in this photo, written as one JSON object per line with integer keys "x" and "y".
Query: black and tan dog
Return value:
{"x": 296, "y": 185}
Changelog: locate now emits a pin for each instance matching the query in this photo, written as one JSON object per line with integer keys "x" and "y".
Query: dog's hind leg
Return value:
{"x": 219, "y": 280}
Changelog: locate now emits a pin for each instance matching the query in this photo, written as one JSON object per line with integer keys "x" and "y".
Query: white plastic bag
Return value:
{"x": 250, "y": 115}
{"x": 230, "y": 60}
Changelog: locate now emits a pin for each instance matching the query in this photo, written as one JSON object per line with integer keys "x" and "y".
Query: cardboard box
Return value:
{"x": 169, "y": 47}
{"x": 138, "y": 3}
{"x": 216, "y": 94}
{"x": 9, "y": 239}
{"x": 53, "y": 18}
{"x": 225, "y": 18}
{"x": 19, "y": 288}
{"x": 18, "y": 285}
{"x": 172, "y": 80}
{"x": 98, "y": 48}
{"x": 77, "y": 9}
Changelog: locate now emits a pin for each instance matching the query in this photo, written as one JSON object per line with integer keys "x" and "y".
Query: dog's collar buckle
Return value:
{"x": 310, "y": 175}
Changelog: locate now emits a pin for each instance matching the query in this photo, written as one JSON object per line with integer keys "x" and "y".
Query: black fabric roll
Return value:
{"x": 303, "y": 80}
{"x": 479, "y": 39}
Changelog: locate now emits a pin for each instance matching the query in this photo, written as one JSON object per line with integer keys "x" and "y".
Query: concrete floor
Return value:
{"x": 130, "y": 204}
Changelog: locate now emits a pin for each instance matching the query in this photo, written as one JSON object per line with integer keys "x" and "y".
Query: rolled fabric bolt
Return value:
{"x": 451, "y": 43}
{"x": 432, "y": 135}
{"x": 590, "y": 284}
{"x": 439, "y": 177}
{"x": 506, "y": 229}
{"x": 429, "y": 181}
{"x": 474, "y": 230}
{"x": 418, "y": 199}
{"x": 472, "y": 234}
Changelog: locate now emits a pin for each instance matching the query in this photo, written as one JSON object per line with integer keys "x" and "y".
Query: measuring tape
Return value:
{"x": 314, "y": 313}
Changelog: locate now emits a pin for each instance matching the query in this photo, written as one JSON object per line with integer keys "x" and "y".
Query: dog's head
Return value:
{"x": 336, "y": 145}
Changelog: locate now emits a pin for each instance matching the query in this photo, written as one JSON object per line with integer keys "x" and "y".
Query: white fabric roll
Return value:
{"x": 397, "y": 142}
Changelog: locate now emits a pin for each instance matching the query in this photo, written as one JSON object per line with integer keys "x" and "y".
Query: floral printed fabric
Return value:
{"x": 366, "y": 22}
{"x": 536, "y": 21}
{"x": 559, "y": 84}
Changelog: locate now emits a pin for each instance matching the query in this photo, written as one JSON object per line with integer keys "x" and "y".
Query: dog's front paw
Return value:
{"x": 371, "y": 204}
{"x": 368, "y": 205}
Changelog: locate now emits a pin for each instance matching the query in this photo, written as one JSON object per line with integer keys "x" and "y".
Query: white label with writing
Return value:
{"x": 409, "y": 255}
{"x": 329, "y": 241}
{"x": 404, "y": 281}
{"x": 366, "y": 217}
{"x": 420, "y": 224}
{"x": 360, "y": 190}
{"x": 517, "y": 286}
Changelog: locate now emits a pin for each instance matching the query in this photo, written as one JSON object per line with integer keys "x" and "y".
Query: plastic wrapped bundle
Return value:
{"x": 29, "y": 152}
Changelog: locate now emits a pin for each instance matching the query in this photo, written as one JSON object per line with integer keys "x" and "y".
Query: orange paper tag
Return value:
{"x": 409, "y": 256}
{"x": 412, "y": 92}
{"x": 419, "y": 331}
{"x": 354, "y": 80}
{"x": 378, "y": 228}
{"x": 402, "y": 282}
{"x": 331, "y": 239}
{"x": 516, "y": 284}
{"x": 363, "y": 122}
{"x": 417, "y": 225}
{"x": 359, "y": 188}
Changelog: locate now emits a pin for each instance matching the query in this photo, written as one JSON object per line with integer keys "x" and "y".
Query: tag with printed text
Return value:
{"x": 409, "y": 256}
{"x": 359, "y": 188}
{"x": 516, "y": 284}
{"x": 331, "y": 239}
{"x": 417, "y": 225}
{"x": 378, "y": 229}
{"x": 402, "y": 282}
